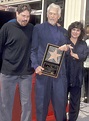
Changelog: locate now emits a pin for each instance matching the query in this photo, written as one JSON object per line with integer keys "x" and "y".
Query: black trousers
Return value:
{"x": 74, "y": 106}
{"x": 86, "y": 84}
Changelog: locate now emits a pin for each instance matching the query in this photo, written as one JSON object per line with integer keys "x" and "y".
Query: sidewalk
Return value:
{"x": 84, "y": 112}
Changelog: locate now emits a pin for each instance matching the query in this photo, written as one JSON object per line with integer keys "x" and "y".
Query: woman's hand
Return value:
{"x": 73, "y": 54}
{"x": 65, "y": 47}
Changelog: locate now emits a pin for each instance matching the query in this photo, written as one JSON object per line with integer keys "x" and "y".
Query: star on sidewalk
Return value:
{"x": 54, "y": 55}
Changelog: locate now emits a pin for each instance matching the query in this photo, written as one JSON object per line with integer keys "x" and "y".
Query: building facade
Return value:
{"x": 72, "y": 10}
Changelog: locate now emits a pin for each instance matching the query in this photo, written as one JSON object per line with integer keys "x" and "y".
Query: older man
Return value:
{"x": 48, "y": 87}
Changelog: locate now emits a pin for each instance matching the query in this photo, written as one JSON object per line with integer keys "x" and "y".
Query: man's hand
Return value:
{"x": 38, "y": 70}
{"x": 69, "y": 46}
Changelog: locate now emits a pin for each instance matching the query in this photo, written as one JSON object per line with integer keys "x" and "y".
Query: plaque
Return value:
{"x": 52, "y": 60}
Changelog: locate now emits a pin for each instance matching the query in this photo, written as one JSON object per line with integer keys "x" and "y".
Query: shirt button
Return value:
{"x": 70, "y": 84}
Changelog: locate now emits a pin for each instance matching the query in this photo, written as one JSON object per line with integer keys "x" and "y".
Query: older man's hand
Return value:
{"x": 39, "y": 69}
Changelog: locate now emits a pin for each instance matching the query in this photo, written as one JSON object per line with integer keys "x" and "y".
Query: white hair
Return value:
{"x": 52, "y": 5}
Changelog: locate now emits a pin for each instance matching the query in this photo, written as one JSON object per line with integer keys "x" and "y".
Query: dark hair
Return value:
{"x": 23, "y": 7}
{"x": 78, "y": 25}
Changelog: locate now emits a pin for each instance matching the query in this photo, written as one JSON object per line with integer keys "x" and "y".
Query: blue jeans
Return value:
{"x": 0, "y": 105}
{"x": 8, "y": 87}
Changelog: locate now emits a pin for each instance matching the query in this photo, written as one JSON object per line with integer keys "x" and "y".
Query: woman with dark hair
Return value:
{"x": 74, "y": 64}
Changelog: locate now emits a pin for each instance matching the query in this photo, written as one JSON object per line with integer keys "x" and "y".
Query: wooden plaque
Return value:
{"x": 52, "y": 60}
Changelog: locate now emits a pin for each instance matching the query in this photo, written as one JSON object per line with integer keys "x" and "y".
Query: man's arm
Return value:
{"x": 34, "y": 48}
{"x": 3, "y": 37}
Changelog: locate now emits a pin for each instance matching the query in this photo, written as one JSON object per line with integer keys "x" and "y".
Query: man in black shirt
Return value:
{"x": 15, "y": 45}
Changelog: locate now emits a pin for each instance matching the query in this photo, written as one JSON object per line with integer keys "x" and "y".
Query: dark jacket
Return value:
{"x": 75, "y": 66}
{"x": 42, "y": 35}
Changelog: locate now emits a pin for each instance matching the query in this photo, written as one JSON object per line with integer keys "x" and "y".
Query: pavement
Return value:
{"x": 84, "y": 112}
